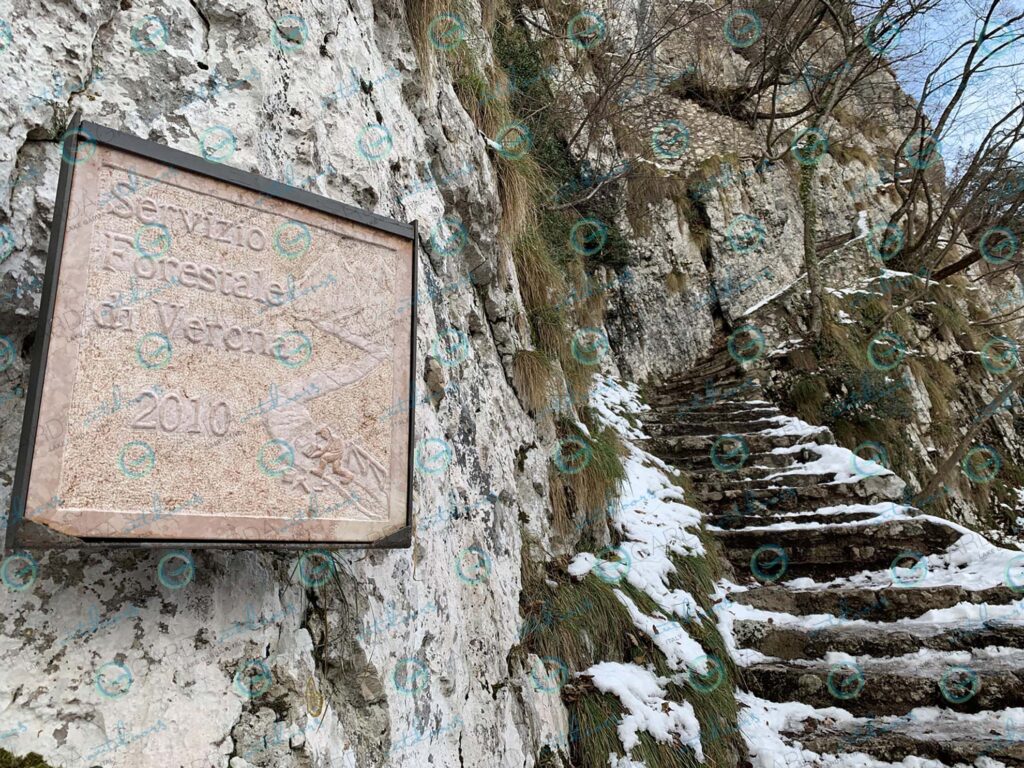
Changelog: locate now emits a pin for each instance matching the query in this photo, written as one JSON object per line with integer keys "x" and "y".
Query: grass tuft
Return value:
{"x": 552, "y": 332}
{"x": 518, "y": 183}
{"x": 809, "y": 394}
{"x": 675, "y": 281}
{"x": 558, "y": 497}
{"x": 846, "y": 153}
{"x": 600, "y": 479}
{"x": 541, "y": 281}
{"x": 578, "y": 378}
{"x": 589, "y": 299}
{"x": 649, "y": 188}
{"x": 597, "y": 627}
{"x": 419, "y": 14}
{"x": 533, "y": 376}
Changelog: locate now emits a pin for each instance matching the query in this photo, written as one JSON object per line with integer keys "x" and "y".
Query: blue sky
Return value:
{"x": 991, "y": 94}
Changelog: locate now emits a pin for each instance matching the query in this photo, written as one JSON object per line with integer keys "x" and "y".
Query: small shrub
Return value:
{"x": 31, "y": 760}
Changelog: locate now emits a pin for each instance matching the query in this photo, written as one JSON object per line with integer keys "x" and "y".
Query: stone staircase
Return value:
{"x": 853, "y": 656}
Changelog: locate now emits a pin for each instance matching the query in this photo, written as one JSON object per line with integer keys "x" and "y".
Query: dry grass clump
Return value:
{"x": 519, "y": 182}
{"x": 552, "y": 333}
{"x": 646, "y": 188}
{"x": 419, "y": 14}
{"x": 533, "y": 375}
{"x": 595, "y": 477}
{"x": 545, "y": 264}
{"x": 675, "y": 281}
{"x": 485, "y": 99}
{"x": 587, "y": 295}
{"x": 558, "y": 497}
{"x": 541, "y": 280}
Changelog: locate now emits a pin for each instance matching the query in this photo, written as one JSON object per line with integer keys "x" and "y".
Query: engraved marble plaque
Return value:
{"x": 219, "y": 360}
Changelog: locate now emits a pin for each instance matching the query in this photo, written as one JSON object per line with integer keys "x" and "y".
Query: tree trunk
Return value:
{"x": 957, "y": 266}
{"x": 810, "y": 253}
{"x": 958, "y": 454}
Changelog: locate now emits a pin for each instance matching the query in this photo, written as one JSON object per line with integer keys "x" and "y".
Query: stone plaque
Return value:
{"x": 215, "y": 361}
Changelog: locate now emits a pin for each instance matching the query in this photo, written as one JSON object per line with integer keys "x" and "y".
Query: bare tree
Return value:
{"x": 849, "y": 41}
{"x": 937, "y": 216}
{"x": 958, "y": 454}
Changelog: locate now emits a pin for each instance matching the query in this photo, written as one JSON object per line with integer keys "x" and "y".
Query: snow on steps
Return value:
{"x": 920, "y": 667}
{"x": 895, "y": 685}
{"x": 788, "y": 637}
{"x": 889, "y": 603}
{"x": 794, "y": 734}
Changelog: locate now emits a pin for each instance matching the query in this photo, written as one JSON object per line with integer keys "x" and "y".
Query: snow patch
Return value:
{"x": 643, "y": 696}
{"x": 681, "y": 651}
{"x": 792, "y": 426}
{"x": 847, "y": 466}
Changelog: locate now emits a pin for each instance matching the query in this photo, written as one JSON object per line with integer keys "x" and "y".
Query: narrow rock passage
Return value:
{"x": 868, "y": 633}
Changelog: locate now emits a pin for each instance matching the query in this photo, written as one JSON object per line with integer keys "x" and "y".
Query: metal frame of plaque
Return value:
{"x": 40, "y": 521}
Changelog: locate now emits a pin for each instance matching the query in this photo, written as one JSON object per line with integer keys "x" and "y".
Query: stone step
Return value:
{"x": 894, "y": 686}
{"x": 950, "y": 737}
{"x": 786, "y": 498}
{"x": 777, "y": 498}
{"x": 714, "y": 376}
{"x": 746, "y": 486}
{"x": 680, "y": 425}
{"x": 734, "y": 385}
{"x": 733, "y": 398}
{"x": 734, "y": 520}
{"x": 793, "y": 642}
{"x": 716, "y": 408}
{"x": 826, "y": 530}
{"x": 709, "y": 367}
{"x": 706, "y": 425}
{"x": 759, "y": 464}
{"x": 871, "y": 604}
{"x": 829, "y": 552}
{"x": 756, "y": 443}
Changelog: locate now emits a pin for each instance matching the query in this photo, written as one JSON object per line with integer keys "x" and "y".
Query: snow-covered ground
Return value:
{"x": 653, "y": 520}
